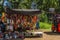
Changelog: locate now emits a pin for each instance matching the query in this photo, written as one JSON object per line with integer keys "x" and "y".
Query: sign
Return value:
{"x": 7, "y": 4}
{"x": 52, "y": 10}
{"x": 33, "y": 5}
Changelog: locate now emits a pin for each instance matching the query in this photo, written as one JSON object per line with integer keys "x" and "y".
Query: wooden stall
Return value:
{"x": 22, "y": 17}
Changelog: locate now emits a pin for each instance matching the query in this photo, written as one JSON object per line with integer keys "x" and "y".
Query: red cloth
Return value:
{"x": 58, "y": 27}
{"x": 53, "y": 27}
{"x": 34, "y": 19}
{"x": 15, "y": 26}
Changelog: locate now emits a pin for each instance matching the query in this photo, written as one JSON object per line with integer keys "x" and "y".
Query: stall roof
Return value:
{"x": 23, "y": 11}
{"x": 26, "y": 9}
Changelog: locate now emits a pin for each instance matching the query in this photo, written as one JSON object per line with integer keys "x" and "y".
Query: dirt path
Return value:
{"x": 51, "y": 36}
{"x": 47, "y": 35}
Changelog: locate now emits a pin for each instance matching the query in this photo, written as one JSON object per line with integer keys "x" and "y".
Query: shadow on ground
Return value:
{"x": 52, "y": 33}
{"x": 35, "y": 37}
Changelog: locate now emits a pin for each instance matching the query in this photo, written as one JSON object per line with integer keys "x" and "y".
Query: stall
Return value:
{"x": 26, "y": 18}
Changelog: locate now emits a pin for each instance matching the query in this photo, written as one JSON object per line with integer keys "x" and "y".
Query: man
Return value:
{"x": 37, "y": 25}
{"x": 55, "y": 20}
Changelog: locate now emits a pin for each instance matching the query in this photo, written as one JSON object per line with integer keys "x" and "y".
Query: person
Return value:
{"x": 2, "y": 25}
{"x": 15, "y": 27}
{"x": 1, "y": 33}
{"x": 55, "y": 20}
{"x": 37, "y": 24}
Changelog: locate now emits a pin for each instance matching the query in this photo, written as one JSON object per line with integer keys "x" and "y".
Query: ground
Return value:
{"x": 47, "y": 35}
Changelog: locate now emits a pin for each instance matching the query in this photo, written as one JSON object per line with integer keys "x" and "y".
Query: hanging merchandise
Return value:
{"x": 12, "y": 22}
{"x": 10, "y": 34}
{"x": 5, "y": 21}
{"x": 7, "y": 27}
{"x": 34, "y": 19}
{"x": 15, "y": 26}
{"x": 3, "y": 16}
{"x": 18, "y": 21}
{"x": 11, "y": 27}
{"x": 6, "y": 36}
{"x": 8, "y": 21}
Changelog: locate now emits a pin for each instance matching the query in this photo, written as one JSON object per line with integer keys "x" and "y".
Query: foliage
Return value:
{"x": 41, "y": 4}
{"x": 44, "y": 25}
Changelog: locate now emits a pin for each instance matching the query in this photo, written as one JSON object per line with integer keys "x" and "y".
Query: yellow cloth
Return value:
{"x": 3, "y": 16}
